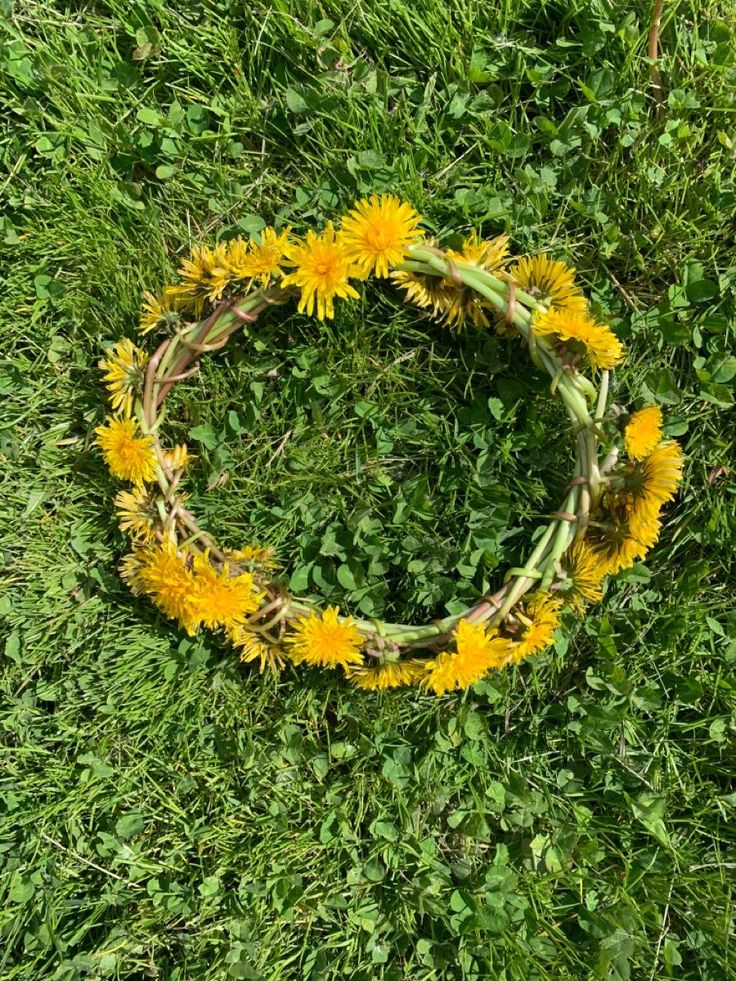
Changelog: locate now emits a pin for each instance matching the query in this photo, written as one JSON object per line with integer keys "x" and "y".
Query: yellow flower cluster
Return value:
{"x": 373, "y": 238}
{"x": 236, "y": 264}
{"x": 562, "y": 318}
{"x": 187, "y": 588}
{"x": 630, "y": 521}
{"x": 477, "y": 651}
{"x": 132, "y": 455}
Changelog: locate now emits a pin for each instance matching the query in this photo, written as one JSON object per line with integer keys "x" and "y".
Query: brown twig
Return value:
{"x": 165, "y": 379}
{"x": 654, "y": 48}
{"x": 454, "y": 272}
{"x": 487, "y": 604}
{"x": 149, "y": 406}
{"x": 564, "y": 515}
{"x": 247, "y": 318}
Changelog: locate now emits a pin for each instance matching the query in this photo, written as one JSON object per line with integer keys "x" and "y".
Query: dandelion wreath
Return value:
{"x": 624, "y": 470}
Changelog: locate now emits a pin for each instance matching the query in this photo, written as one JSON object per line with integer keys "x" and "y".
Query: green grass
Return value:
{"x": 166, "y": 813}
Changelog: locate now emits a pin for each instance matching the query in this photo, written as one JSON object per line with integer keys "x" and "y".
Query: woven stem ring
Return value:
{"x": 609, "y": 516}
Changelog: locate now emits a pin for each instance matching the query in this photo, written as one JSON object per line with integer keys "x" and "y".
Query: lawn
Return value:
{"x": 165, "y": 811}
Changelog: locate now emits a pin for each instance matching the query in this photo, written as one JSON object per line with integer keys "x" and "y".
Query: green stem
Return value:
{"x": 563, "y": 537}
{"x": 517, "y": 587}
{"x": 600, "y": 409}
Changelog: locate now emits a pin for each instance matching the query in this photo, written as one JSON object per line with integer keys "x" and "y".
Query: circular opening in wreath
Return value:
{"x": 396, "y": 468}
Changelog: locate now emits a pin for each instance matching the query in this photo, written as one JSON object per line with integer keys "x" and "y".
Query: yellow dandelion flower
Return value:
{"x": 178, "y": 457}
{"x": 643, "y": 432}
{"x": 221, "y": 599}
{"x": 642, "y": 513}
{"x": 128, "y": 455}
{"x": 322, "y": 272}
{"x": 205, "y": 276}
{"x": 581, "y": 334}
{"x": 620, "y": 551}
{"x": 161, "y": 573}
{"x": 661, "y": 471}
{"x": 324, "y": 640}
{"x": 490, "y": 254}
{"x": 252, "y": 647}
{"x": 466, "y": 304}
{"x": 386, "y": 674}
{"x": 584, "y": 576}
{"x": 160, "y": 312}
{"x": 236, "y": 257}
{"x": 451, "y": 302}
{"x": 477, "y": 652}
{"x": 257, "y": 556}
{"x": 434, "y": 293}
{"x": 124, "y": 368}
{"x": 137, "y": 513}
{"x": 647, "y": 485}
{"x": 262, "y": 259}
{"x": 185, "y": 297}
{"x": 614, "y": 544}
{"x": 549, "y": 281}
{"x": 539, "y": 621}
{"x": 129, "y": 568}
{"x": 377, "y": 233}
